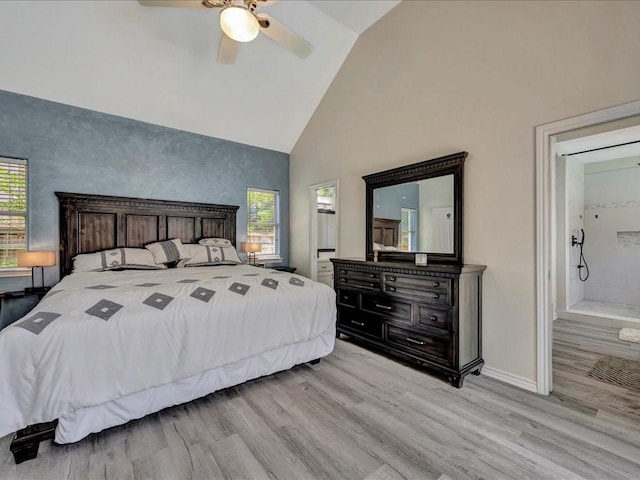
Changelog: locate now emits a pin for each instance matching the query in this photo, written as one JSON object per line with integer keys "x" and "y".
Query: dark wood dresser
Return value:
{"x": 430, "y": 316}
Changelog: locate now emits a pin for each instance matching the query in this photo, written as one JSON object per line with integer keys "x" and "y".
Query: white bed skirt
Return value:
{"x": 80, "y": 423}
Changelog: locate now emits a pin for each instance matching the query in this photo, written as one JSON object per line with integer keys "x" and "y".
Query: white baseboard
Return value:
{"x": 511, "y": 379}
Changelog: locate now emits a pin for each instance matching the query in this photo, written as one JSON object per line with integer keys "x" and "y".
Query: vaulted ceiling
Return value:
{"x": 158, "y": 65}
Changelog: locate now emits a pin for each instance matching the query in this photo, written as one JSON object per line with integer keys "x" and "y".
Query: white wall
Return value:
{"x": 158, "y": 65}
{"x": 612, "y": 201}
{"x": 433, "y": 78}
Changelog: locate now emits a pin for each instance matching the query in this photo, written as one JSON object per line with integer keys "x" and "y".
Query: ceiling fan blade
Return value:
{"x": 228, "y": 50}
{"x": 282, "y": 35}
{"x": 180, "y": 3}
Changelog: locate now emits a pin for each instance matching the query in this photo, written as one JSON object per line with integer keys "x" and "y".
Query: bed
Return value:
{"x": 106, "y": 347}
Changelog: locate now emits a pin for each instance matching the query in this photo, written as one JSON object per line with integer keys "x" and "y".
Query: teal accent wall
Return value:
{"x": 388, "y": 202}
{"x": 72, "y": 149}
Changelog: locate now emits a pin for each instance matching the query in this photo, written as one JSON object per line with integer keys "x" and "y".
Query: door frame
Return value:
{"x": 313, "y": 224}
{"x": 545, "y": 226}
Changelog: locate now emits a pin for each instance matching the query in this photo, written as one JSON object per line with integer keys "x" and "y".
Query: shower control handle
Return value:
{"x": 574, "y": 239}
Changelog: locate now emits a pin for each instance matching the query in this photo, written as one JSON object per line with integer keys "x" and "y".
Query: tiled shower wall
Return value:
{"x": 612, "y": 226}
{"x": 575, "y": 185}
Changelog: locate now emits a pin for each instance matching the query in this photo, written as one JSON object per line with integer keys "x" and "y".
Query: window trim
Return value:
{"x": 7, "y": 272}
{"x": 268, "y": 257}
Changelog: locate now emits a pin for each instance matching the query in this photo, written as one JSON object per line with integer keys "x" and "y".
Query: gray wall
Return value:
{"x": 71, "y": 149}
{"x": 388, "y": 202}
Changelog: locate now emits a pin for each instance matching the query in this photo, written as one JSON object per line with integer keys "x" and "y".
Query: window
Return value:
{"x": 408, "y": 230}
{"x": 263, "y": 220}
{"x": 13, "y": 211}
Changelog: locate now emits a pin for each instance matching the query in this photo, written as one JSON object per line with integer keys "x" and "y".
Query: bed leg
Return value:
{"x": 315, "y": 362}
{"x": 24, "y": 445}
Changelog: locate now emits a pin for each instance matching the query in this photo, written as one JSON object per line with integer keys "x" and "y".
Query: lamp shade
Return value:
{"x": 239, "y": 23}
{"x": 36, "y": 259}
{"x": 251, "y": 247}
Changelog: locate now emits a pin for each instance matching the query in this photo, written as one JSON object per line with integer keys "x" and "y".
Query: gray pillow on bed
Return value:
{"x": 216, "y": 242}
{"x": 204, "y": 255}
{"x": 116, "y": 259}
{"x": 168, "y": 251}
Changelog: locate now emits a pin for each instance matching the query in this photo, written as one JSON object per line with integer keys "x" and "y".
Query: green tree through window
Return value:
{"x": 263, "y": 220}
{"x": 13, "y": 210}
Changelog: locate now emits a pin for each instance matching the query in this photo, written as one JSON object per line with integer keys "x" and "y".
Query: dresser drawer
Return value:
{"x": 349, "y": 320}
{"x": 348, "y": 298}
{"x": 384, "y": 305}
{"x": 432, "y": 289}
{"x": 326, "y": 278}
{"x": 324, "y": 267}
{"x": 358, "y": 278}
{"x": 433, "y": 348}
{"x": 433, "y": 317}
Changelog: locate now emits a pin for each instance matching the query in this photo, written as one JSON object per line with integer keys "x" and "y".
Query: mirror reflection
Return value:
{"x": 415, "y": 216}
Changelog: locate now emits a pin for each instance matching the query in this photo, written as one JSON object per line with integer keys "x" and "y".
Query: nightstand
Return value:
{"x": 14, "y": 305}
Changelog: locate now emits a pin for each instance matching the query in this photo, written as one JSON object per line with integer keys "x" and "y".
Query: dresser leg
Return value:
{"x": 315, "y": 362}
{"x": 456, "y": 380}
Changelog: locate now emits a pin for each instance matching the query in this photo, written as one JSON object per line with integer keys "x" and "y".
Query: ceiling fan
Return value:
{"x": 240, "y": 23}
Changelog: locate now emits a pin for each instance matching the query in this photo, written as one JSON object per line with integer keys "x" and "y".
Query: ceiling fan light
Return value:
{"x": 239, "y": 23}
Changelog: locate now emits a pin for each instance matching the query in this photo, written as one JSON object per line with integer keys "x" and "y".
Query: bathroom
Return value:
{"x": 598, "y": 226}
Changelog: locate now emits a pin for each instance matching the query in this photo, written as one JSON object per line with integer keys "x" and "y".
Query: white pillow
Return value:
{"x": 216, "y": 242}
{"x": 204, "y": 255}
{"x": 168, "y": 251}
{"x": 116, "y": 259}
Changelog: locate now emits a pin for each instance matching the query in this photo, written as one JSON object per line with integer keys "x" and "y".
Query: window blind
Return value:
{"x": 13, "y": 210}
{"x": 263, "y": 220}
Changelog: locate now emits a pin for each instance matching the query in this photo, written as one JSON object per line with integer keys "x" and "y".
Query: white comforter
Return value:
{"x": 99, "y": 336}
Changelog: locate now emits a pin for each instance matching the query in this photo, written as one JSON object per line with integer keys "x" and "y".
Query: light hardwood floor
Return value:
{"x": 576, "y": 348}
{"x": 358, "y": 415}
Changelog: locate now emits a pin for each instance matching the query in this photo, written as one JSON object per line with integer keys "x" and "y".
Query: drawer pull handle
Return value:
{"x": 372, "y": 275}
{"x": 360, "y": 324}
{"x": 413, "y": 340}
{"x": 392, "y": 279}
{"x": 391, "y": 289}
{"x": 344, "y": 272}
{"x": 385, "y": 307}
{"x": 435, "y": 295}
{"x": 372, "y": 284}
{"x": 345, "y": 297}
{"x": 433, "y": 318}
{"x": 436, "y": 284}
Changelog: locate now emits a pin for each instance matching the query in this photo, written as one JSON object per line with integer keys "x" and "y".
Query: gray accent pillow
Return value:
{"x": 116, "y": 259}
{"x": 205, "y": 255}
{"x": 216, "y": 242}
{"x": 167, "y": 251}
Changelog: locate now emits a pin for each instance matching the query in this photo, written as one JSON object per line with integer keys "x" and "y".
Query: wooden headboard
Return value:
{"x": 386, "y": 231}
{"x": 90, "y": 223}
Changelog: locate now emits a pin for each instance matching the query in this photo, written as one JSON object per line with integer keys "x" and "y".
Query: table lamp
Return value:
{"x": 37, "y": 259}
{"x": 251, "y": 248}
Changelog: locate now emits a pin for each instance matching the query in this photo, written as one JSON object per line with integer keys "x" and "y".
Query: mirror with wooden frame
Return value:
{"x": 416, "y": 209}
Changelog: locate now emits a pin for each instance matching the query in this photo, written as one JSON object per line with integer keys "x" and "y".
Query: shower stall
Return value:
{"x": 598, "y": 237}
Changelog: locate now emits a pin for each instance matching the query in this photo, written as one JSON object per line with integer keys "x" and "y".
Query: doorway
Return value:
{"x": 323, "y": 230}
{"x": 547, "y": 250}
{"x": 598, "y": 225}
